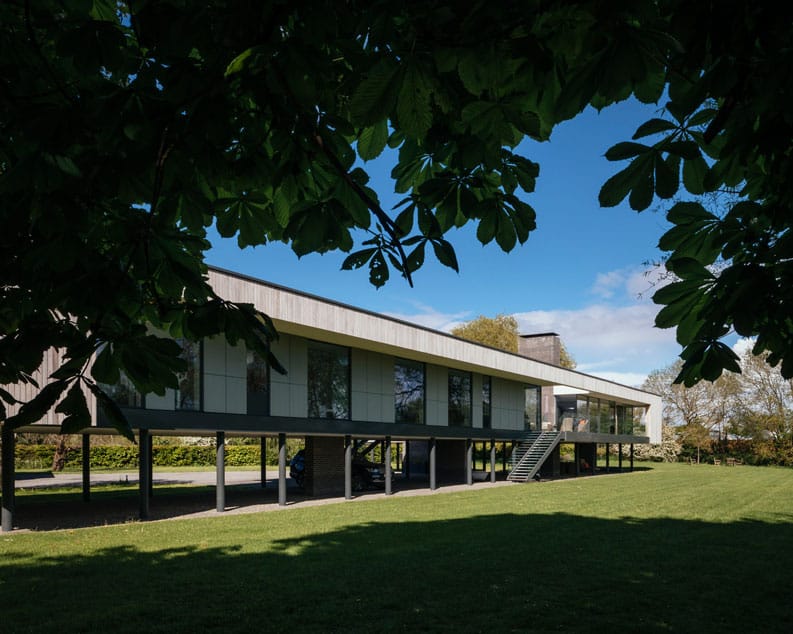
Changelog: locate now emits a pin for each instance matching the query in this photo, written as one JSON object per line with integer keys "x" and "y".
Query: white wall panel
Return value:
{"x": 166, "y": 402}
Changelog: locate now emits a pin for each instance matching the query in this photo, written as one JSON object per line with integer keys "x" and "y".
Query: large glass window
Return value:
{"x": 639, "y": 428}
{"x": 607, "y": 417}
{"x": 531, "y": 411}
{"x": 188, "y": 395}
{"x": 487, "y": 390}
{"x": 328, "y": 381}
{"x": 459, "y": 398}
{"x": 124, "y": 393}
{"x": 409, "y": 391}
{"x": 258, "y": 384}
{"x": 594, "y": 416}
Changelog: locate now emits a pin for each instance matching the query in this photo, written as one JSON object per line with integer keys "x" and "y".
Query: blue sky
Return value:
{"x": 581, "y": 273}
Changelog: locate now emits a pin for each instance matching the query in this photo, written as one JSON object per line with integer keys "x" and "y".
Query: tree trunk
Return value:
{"x": 59, "y": 458}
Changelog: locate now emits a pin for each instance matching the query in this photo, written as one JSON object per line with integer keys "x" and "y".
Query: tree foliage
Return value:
{"x": 499, "y": 332}
{"x": 566, "y": 360}
{"x": 755, "y": 406}
{"x": 129, "y": 128}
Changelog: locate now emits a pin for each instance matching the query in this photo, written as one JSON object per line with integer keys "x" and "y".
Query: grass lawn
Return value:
{"x": 673, "y": 548}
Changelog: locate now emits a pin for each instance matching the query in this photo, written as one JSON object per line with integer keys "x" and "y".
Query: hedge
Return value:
{"x": 121, "y": 457}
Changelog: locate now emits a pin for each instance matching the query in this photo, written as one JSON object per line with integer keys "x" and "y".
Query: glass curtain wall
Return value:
{"x": 459, "y": 398}
{"x": 409, "y": 387}
{"x": 328, "y": 381}
{"x": 487, "y": 388}
{"x": 258, "y": 384}
{"x": 531, "y": 410}
{"x": 124, "y": 393}
{"x": 188, "y": 395}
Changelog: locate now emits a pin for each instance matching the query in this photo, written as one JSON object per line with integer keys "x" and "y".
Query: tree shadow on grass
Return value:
{"x": 117, "y": 503}
{"x": 490, "y": 573}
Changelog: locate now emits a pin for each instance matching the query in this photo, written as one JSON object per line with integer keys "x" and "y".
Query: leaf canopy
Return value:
{"x": 130, "y": 128}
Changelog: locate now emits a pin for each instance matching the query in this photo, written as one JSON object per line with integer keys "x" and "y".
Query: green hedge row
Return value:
{"x": 119, "y": 457}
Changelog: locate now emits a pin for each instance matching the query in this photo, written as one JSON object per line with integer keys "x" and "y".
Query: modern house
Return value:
{"x": 357, "y": 379}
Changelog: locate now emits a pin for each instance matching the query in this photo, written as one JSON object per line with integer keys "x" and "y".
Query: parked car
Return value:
{"x": 365, "y": 474}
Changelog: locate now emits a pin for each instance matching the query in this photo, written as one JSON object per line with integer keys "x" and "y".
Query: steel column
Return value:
{"x": 469, "y": 458}
{"x": 387, "y": 460}
{"x": 150, "y": 451}
{"x": 492, "y": 459}
{"x": 620, "y": 456}
{"x": 220, "y": 471}
{"x": 347, "y": 467}
{"x": 282, "y": 469}
{"x": 8, "y": 475}
{"x": 433, "y": 481}
{"x": 631, "y": 456}
{"x": 144, "y": 473}
{"x": 263, "y": 452}
{"x": 86, "y": 456}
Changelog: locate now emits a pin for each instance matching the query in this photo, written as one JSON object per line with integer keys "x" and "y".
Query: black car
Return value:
{"x": 365, "y": 474}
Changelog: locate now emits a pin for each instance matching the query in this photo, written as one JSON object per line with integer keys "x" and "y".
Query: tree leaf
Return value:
{"x": 413, "y": 104}
{"x": 687, "y": 212}
{"x": 626, "y": 150}
{"x": 76, "y": 409}
{"x": 667, "y": 176}
{"x": 358, "y": 259}
{"x": 376, "y": 95}
{"x": 35, "y": 409}
{"x": 105, "y": 369}
{"x": 445, "y": 254}
{"x": 372, "y": 141}
{"x": 642, "y": 193}
{"x": 616, "y": 188}
{"x": 694, "y": 171}
{"x": 114, "y": 414}
{"x": 653, "y": 126}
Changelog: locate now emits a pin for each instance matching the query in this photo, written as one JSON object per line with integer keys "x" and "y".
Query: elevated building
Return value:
{"x": 356, "y": 379}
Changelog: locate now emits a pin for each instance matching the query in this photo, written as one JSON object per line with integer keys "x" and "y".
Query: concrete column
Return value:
{"x": 347, "y": 468}
{"x": 220, "y": 471}
{"x": 469, "y": 458}
{"x": 281, "y": 469}
{"x": 387, "y": 460}
{"x": 433, "y": 481}
{"x": 86, "y": 457}
{"x": 144, "y": 473}
{"x": 150, "y": 462}
{"x": 8, "y": 476}
{"x": 263, "y": 452}
{"x": 492, "y": 459}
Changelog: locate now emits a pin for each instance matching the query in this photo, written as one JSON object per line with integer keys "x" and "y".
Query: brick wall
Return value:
{"x": 324, "y": 465}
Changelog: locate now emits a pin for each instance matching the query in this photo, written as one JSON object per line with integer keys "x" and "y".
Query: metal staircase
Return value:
{"x": 531, "y": 453}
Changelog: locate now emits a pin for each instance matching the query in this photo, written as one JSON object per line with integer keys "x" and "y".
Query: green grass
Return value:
{"x": 674, "y": 548}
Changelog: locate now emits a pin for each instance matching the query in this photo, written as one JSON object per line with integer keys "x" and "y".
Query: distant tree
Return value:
{"x": 765, "y": 412}
{"x": 566, "y": 360}
{"x": 499, "y": 332}
{"x": 698, "y": 412}
{"x": 666, "y": 451}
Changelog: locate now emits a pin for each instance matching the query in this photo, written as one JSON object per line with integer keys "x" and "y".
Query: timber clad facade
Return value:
{"x": 356, "y": 377}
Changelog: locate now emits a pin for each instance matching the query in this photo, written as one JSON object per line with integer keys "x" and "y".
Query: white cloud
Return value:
{"x": 607, "y": 283}
{"x": 430, "y": 318}
{"x": 741, "y": 346}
